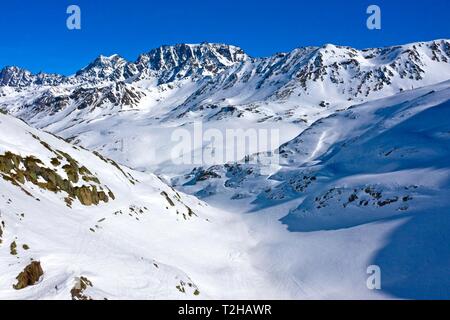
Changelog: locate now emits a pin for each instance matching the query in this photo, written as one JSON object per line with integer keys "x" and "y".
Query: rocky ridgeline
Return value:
{"x": 227, "y": 66}
{"x": 80, "y": 183}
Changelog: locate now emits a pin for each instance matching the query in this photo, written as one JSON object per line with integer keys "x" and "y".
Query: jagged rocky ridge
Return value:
{"x": 224, "y": 72}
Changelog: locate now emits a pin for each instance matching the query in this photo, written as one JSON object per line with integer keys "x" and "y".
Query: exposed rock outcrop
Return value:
{"x": 29, "y": 276}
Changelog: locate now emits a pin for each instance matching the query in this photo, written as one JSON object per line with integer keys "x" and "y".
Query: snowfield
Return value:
{"x": 363, "y": 178}
{"x": 150, "y": 242}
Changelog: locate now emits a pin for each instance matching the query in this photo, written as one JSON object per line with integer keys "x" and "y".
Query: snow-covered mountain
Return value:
{"x": 172, "y": 86}
{"x": 363, "y": 177}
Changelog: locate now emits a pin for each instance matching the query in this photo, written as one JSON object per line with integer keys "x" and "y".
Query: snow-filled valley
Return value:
{"x": 93, "y": 203}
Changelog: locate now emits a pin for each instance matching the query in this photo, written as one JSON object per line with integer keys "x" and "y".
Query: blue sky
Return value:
{"x": 34, "y": 33}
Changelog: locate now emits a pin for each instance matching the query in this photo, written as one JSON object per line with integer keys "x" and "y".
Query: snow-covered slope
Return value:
{"x": 334, "y": 144}
{"x": 74, "y": 224}
{"x": 370, "y": 184}
{"x": 383, "y": 155}
{"x": 384, "y": 162}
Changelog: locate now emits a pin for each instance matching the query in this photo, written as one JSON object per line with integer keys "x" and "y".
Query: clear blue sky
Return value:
{"x": 34, "y": 33}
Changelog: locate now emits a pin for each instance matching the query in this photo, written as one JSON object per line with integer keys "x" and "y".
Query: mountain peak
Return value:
{"x": 105, "y": 60}
{"x": 196, "y": 60}
{"x": 103, "y": 67}
{"x": 14, "y": 76}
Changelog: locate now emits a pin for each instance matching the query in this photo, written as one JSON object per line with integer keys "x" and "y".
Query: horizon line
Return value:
{"x": 218, "y": 43}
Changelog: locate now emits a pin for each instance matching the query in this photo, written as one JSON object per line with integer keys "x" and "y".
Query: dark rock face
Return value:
{"x": 182, "y": 60}
{"x": 13, "y": 76}
{"x": 48, "y": 103}
{"x": 116, "y": 95}
{"x": 29, "y": 276}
